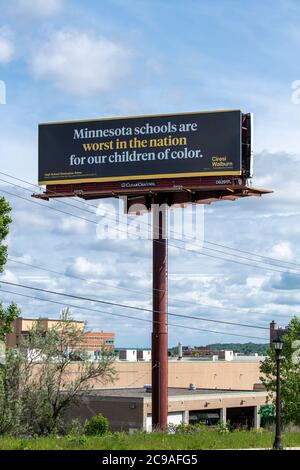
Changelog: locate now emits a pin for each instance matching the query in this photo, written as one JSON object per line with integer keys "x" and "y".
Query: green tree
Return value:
{"x": 9, "y": 314}
{"x": 11, "y": 415}
{"x": 290, "y": 373}
{"x": 41, "y": 380}
{"x": 267, "y": 414}
{"x": 5, "y": 220}
{"x": 96, "y": 426}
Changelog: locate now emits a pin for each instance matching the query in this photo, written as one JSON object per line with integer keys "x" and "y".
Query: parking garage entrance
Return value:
{"x": 242, "y": 417}
{"x": 207, "y": 417}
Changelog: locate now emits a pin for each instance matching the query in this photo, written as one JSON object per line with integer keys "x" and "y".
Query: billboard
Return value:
{"x": 141, "y": 148}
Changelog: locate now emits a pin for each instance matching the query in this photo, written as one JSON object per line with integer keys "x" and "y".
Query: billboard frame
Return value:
{"x": 83, "y": 180}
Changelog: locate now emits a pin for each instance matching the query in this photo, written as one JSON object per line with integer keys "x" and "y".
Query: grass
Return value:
{"x": 156, "y": 441}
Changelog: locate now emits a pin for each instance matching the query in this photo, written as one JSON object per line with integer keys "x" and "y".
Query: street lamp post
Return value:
{"x": 277, "y": 344}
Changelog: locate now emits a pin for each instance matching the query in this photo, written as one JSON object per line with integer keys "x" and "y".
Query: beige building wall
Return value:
{"x": 219, "y": 374}
{"x": 22, "y": 325}
{"x": 211, "y": 402}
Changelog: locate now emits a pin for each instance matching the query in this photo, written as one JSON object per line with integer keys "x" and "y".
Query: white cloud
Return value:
{"x": 276, "y": 117}
{"x": 80, "y": 63}
{"x": 254, "y": 282}
{"x": 7, "y": 48}
{"x": 33, "y": 219}
{"x": 82, "y": 266}
{"x": 282, "y": 251}
{"x": 25, "y": 258}
{"x": 72, "y": 225}
{"x": 24, "y": 151}
{"x": 8, "y": 276}
{"x": 39, "y": 7}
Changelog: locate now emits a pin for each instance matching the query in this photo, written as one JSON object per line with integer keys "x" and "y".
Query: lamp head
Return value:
{"x": 277, "y": 345}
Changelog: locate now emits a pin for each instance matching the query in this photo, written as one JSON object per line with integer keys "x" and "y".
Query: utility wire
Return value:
{"x": 116, "y": 304}
{"x": 124, "y": 231}
{"x": 170, "y": 244}
{"x": 149, "y": 228}
{"x": 145, "y": 223}
{"x": 199, "y": 318}
{"x": 132, "y": 317}
{"x": 204, "y": 319}
{"x": 173, "y": 300}
{"x": 59, "y": 201}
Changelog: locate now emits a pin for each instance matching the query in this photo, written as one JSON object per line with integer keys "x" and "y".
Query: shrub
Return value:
{"x": 73, "y": 428}
{"x": 184, "y": 428}
{"x": 96, "y": 426}
{"x": 223, "y": 428}
{"x": 76, "y": 441}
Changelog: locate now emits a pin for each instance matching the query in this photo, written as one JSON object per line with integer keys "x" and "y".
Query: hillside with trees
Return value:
{"x": 242, "y": 348}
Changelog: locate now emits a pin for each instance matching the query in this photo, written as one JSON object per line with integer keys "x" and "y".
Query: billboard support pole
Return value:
{"x": 160, "y": 320}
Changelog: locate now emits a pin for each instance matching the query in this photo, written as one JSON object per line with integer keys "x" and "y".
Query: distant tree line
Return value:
{"x": 242, "y": 348}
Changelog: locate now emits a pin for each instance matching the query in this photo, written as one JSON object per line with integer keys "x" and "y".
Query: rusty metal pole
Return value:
{"x": 160, "y": 321}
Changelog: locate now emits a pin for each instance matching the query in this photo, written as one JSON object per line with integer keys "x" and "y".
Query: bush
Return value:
{"x": 96, "y": 426}
{"x": 184, "y": 428}
{"x": 73, "y": 428}
{"x": 76, "y": 441}
{"x": 223, "y": 428}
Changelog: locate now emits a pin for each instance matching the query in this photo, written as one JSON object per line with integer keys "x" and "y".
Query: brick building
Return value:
{"x": 93, "y": 341}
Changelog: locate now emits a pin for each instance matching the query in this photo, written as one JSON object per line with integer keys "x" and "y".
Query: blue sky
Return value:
{"x": 63, "y": 59}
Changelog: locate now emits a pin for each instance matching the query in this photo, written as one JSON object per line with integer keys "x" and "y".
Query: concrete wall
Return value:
{"x": 235, "y": 375}
{"x": 217, "y": 374}
{"x": 128, "y": 354}
{"x": 210, "y": 402}
{"x": 144, "y": 355}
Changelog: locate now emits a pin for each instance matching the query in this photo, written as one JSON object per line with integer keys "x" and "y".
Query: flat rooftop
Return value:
{"x": 173, "y": 392}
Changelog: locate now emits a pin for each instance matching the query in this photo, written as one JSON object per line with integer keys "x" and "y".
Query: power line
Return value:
{"x": 67, "y": 304}
{"x": 49, "y": 207}
{"x": 110, "y": 302}
{"x": 132, "y": 317}
{"x": 116, "y": 304}
{"x": 148, "y": 225}
{"x": 252, "y": 254}
{"x": 72, "y": 276}
{"x": 173, "y": 300}
{"x": 40, "y": 189}
{"x": 170, "y": 244}
{"x": 178, "y": 315}
{"x": 78, "y": 297}
{"x": 123, "y": 231}
{"x": 59, "y": 201}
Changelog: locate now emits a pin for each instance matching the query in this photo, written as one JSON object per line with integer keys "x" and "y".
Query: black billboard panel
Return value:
{"x": 139, "y": 148}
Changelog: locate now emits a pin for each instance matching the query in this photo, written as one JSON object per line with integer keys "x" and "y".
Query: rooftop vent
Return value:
{"x": 192, "y": 387}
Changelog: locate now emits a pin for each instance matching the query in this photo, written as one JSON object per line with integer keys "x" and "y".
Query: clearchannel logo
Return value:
{"x": 138, "y": 184}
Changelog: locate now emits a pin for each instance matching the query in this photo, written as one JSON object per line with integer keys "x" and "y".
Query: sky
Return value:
{"x": 67, "y": 60}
